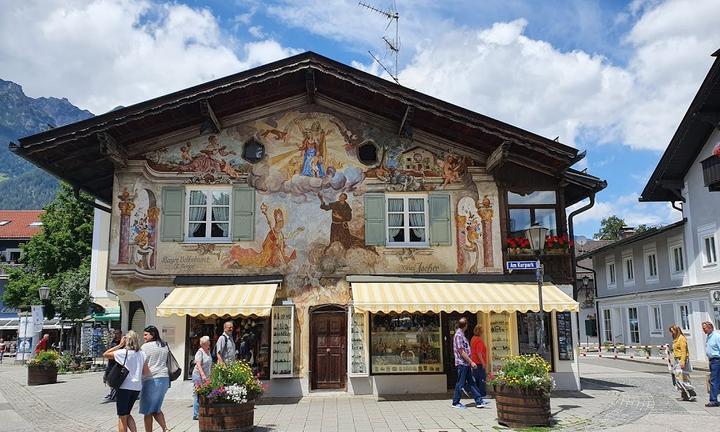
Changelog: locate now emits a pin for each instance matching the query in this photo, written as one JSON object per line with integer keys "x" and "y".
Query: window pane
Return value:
{"x": 396, "y": 235}
{"x": 519, "y": 221}
{"x": 538, "y": 197}
{"x": 634, "y": 326}
{"x": 219, "y": 230}
{"x": 197, "y": 214}
{"x": 416, "y": 204}
{"x": 395, "y": 220}
{"x": 546, "y": 218}
{"x": 395, "y": 204}
{"x": 417, "y": 235}
{"x": 221, "y": 214}
{"x": 220, "y": 198}
{"x": 197, "y": 198}
{"x": 684, "y": 318}
{"x": 197, "y": 230}
{"x": 417, "y": 219}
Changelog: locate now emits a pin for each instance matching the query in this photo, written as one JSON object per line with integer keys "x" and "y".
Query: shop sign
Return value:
{"x": 715, "y": 297}
{"x": 521, "y": 265}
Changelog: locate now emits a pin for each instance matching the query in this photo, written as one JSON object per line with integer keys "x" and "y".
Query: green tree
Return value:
{"x": 610, "y": 228}
{"x": 643, "y": 228}
{"x": 58, "y": 257}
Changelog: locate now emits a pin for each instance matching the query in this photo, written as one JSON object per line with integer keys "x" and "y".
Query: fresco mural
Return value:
{"x": 310, "y": 186}
{"x": 474, "y": 234}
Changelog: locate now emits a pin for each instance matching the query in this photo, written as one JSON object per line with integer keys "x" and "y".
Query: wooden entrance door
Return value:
{"x": 449, "y": 325}
{"x": 328, "y": 348}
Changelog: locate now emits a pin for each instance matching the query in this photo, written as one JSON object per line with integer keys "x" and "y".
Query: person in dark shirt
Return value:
{"x": 117, "y": 337}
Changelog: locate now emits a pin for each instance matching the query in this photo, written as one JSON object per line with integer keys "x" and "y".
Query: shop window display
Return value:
{"x": 405, "y": 343}
{"x": 252, "y": 340}
{"x": 528, "y": 326}
{"x": 499, "y": 339}
{"x": 282, "y": 341}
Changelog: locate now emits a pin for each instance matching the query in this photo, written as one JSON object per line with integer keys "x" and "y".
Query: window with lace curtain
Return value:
{"x": 407, "y": 220}
{"x": 208, "y": 214}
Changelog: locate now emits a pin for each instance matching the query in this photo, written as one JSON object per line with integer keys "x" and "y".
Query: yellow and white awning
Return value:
{"x": 458, "y": 297}
{"x": 219, "y": 300}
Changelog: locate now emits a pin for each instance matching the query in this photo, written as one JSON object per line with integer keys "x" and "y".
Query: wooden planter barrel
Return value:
{"x": 521, "y": 408}
{"x": 38, "y": 375}
{"x": 226, "y": 417}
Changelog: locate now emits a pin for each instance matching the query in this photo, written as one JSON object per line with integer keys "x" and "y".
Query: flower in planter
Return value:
{"x": 561, "y": 243}
{"x": 230, "y": 383}
{"x": 529, "y": 372}
{"x": 45, "y": 359}
{"x": 517, "y": 243}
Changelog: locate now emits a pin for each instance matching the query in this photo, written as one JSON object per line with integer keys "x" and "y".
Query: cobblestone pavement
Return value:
{"x": 617, "y": 396}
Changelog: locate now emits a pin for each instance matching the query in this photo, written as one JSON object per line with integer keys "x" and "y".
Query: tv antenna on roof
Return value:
{"x": 393, "y": 45}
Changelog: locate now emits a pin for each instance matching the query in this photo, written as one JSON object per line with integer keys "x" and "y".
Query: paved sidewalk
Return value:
{"x": 613, "y": 399}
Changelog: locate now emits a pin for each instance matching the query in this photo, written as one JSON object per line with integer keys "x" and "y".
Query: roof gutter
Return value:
{"x": 89, "y": 202}
{"x": 571, "y": 232}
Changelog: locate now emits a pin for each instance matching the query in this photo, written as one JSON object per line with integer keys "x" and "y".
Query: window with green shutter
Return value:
{"x": 375, "y": 219}
{"x": 440, "y": 219}
{"x": 172, "y": 224}
{"x": 243, "y": 220}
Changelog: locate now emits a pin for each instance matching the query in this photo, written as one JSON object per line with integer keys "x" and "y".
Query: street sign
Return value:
{"x": 521, "y": 265}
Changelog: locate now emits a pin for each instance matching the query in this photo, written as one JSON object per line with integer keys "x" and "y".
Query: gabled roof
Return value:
{"x": 73, "y": 152}
{"x": 19, "y": 224}
{"x": 700, "y": 120}
{"x": 632, "y": 239}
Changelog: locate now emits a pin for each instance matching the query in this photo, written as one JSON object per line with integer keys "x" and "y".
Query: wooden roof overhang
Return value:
{"x": 85, "y": 153}
{"x": 699, "y": 122}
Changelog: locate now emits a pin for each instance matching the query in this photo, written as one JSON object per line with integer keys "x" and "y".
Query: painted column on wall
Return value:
{"x": 126, "y": 207}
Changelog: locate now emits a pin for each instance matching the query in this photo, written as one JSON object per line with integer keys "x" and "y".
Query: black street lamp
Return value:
{"x": 536, "y": 235}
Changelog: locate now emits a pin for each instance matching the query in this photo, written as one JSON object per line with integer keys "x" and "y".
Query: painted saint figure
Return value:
{"x": 272, "y": 253}
{"x": 341, "y": 216}
{"x": 314, "y": 149}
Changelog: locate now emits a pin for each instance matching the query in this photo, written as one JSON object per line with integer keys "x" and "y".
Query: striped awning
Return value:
{"x": 219, "y": 300}
{"x": 458, "y": 297}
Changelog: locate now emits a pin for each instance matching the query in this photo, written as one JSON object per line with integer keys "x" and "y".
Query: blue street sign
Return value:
{"x": 521, "y": 265}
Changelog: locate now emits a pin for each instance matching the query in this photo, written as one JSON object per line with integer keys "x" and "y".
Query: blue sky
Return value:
{"x": 610, "y": 77}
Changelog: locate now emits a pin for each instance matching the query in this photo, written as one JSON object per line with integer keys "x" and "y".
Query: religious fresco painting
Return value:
{"x": 310, "y": 184}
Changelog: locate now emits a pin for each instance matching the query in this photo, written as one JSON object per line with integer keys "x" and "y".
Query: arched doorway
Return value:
{"x": 328, "y": 347}
{"x": 137, "y": 317}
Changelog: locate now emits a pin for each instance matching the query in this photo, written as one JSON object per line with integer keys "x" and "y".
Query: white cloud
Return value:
{"x": 628, "y": 208}
{"x": 105, "y": 53}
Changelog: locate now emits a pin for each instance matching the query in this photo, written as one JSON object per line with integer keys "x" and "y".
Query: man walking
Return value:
{"x": 712, "y": 349}
{"x": 225, "y": 348}
{"x": 463, "y": 364}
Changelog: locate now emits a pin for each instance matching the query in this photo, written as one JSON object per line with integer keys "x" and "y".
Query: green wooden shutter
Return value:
{"x": 440, "y": 224}
{"x": 243, "y": 223}
{"x": 172, "y": 225}
{"x": 375, "y": 219}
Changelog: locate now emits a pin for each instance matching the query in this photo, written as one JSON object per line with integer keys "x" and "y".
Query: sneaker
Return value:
{"x": 458, "y": 405}
{"x": 480, "y": 405}
{"x": 712, "y": 404}
{"x": 195, "y": 417}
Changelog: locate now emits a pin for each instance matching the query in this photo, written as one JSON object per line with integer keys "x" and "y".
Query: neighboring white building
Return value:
{"x": 688, "y": 176}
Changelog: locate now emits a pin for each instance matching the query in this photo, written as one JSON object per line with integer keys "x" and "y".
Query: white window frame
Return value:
{"x": 208, "y": 215}
{"x": 406, "y": 219}
{"x": 9, "y": 251}
{"x": 686, "y": 331}
{"x": 656, "y": 326}
{"x": 628, "y": 276}
{"x": 676, "y": 244}
{"x": 607, "y": 325}
{"x": 650, "y": 254}
{"x": 611, "y": 273}
{"x": 630, "y": 330}
{"x": 709, "y": 254}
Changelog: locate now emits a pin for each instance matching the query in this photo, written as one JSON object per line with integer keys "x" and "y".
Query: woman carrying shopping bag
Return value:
{"x": 681, "y": 367}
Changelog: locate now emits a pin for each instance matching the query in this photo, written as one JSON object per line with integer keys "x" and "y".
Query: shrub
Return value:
{"x": 45, "y": 359}
{"x": 530, "y": 372}
{"x": 230, "y": 383}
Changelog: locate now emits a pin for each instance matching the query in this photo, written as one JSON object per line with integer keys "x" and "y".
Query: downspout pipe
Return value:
{"x": 571, "y": 234}
{"x": 597, "y": 306}
{"x": 573, "y": 259}
{"x": 88, "y": 202}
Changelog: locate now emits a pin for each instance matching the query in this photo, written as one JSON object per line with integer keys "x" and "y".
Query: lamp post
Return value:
{"x": 44, "y": 294}
{"x": 536, "y": 235}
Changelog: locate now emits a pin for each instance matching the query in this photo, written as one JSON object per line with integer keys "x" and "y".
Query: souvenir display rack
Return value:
{"x": 283, "y": 320}
{"x": 499, "y": 339}
{"x": 358, "y": 354}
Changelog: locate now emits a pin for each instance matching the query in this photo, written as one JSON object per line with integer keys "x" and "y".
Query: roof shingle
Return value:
{"x": 18, "y": 224}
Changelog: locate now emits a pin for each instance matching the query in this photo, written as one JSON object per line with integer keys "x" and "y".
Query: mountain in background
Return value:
{"x": 22, "y": 185}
